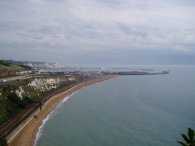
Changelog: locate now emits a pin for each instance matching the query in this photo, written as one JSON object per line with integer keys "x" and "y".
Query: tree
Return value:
{"x": 189, "y": 138}
{"x": 3, "y": 142}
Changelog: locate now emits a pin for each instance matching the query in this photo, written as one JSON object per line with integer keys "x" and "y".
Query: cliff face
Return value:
{"x": 37, "y": 86}
{"x": 15, "y": 97}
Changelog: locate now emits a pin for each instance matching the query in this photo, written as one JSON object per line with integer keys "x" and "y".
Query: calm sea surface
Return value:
{"x": 126, "y": 111}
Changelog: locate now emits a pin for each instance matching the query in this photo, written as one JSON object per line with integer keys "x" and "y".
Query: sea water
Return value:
{"x": 150, "y": 110}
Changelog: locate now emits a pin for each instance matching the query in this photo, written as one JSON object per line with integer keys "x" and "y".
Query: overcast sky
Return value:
{"x": 98, "y": 31}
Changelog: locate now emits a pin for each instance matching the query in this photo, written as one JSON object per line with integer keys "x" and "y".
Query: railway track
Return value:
{"x": 10, "y": 125}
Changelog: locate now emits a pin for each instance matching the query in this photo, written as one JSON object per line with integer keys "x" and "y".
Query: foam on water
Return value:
{"x": 126, "y": 111}
{"x": 49, "y": 116}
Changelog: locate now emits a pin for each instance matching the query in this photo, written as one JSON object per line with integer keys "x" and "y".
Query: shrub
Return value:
{"x": 3, "y": 142}
{"x": 189, "y": 138}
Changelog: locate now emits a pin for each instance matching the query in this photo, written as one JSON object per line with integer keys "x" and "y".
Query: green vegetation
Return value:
{"x": 26, "y": 67}
{"x": 20, "y": 103}
{"x": 11, "y": 68}
{"x": 11, "y": 103}
{"x": 189, "y": 139}
{"x": 18, "y": 95}
{"x": 5, "y": 65}
{"x": 3, "y": 142}
{"x": 19, "y": 98}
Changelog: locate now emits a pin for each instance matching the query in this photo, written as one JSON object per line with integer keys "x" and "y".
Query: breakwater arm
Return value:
{"x": 136, "y": 73}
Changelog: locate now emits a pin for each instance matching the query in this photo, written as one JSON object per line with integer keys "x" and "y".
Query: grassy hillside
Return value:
{"x": 6, "y": 66}
{"x": 18, "y": 95}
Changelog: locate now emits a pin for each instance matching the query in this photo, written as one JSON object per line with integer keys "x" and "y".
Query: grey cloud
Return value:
{"x": 70, "y": 26}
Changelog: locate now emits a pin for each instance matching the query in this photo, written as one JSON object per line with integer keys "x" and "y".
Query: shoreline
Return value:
{"x": 48, "y": 117}
{"x": 27, "y": 136}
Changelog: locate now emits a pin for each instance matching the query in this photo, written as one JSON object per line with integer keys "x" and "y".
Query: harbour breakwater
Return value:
{"x": 137, "y": 73}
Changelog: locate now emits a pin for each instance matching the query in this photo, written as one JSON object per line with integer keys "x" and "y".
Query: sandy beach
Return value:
{"x": 26, "y": 137}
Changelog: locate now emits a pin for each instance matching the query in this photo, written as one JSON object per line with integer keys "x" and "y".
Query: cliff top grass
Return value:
{"x": 6, "y": 66}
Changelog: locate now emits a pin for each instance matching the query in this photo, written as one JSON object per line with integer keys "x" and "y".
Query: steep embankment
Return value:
{"x": 16, "y": 96}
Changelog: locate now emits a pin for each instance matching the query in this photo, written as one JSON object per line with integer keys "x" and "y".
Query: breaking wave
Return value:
{"x": 49, "y": 116}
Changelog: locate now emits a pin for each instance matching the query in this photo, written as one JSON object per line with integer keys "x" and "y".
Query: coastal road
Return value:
{"x": 15, "y": 78}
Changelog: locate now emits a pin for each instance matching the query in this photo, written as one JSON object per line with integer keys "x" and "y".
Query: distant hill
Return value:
{"x": 24, "y": 62}
{"x": 6, "y": 66}
{"x": 13, "y": 66}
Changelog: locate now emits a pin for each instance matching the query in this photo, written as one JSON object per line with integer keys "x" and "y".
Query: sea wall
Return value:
{"x": 20, "y": 127}
{"x": 16, "y": 96}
